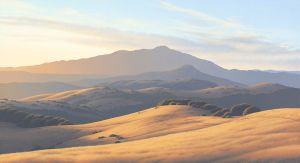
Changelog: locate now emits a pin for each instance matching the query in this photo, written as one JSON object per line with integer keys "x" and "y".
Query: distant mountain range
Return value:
{"x": 183, "y": 73}
{"x": 161, "y": 58}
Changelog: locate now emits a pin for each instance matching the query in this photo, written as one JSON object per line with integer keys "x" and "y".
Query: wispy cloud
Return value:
{"x": 226, "y": 35}
{"x": 16, "y": 7}
{"x": 201, "y": 15}
{"x": 102, "y": 38}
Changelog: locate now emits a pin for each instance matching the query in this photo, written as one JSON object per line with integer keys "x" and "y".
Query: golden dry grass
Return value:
{"x": 178, "y": 134}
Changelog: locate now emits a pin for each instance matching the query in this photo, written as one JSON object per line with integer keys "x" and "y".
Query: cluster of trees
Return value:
{"x": 236, "y": 110}
{"x": 29, "y": 120}
{"x": 173, "y": 102}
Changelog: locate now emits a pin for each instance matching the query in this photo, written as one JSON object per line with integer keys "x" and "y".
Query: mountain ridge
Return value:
{"x": 161, "y": 58}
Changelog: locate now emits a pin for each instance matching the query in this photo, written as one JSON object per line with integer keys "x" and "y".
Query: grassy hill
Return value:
{"x": 168, "y": 134}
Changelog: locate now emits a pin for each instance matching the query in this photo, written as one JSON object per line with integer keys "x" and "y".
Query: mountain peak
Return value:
{"x": 163, "y": 47}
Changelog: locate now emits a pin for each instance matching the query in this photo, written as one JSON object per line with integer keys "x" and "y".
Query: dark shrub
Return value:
{"x": 116, "y": 136}
{"x": 227, "y": 115}
{"x": 221, "y": 112}
{"x": 238, "y": 110}
{"x": 196, "y": 104}
{"x": 211, "y": 108}
{"x": 173, "y": 102}
{"x": 164, "y": 102}
{"x": 251, "y": 109}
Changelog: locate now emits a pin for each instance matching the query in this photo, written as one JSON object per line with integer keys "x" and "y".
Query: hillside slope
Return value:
{"x": 22, "y": 90}
{"x": 104, "y": 101}
{"x": 141, "y": 125}
{"x": 182, "y": 84}
{"x": 13, "y": 75}
{"x": 177, "y": 134}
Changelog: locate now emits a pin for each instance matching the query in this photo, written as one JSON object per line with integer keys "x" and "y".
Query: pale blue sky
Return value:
{"x": 239, "y": 34}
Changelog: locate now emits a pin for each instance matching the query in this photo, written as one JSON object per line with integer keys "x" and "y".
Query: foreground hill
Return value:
{"x": 154, "y": 60}
{"x": 172, "y": 134}
{"x": 152, "y": 122}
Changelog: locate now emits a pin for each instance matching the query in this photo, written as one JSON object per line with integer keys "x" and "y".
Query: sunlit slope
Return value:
{"x": 146, "y": 124}
{"x": 272, "y": 135}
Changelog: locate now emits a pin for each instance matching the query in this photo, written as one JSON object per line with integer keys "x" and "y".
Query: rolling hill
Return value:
{"x": 27, "y": 77}
{"x": 98, "y": 103}
{"x": 103, "y": 101}
{"x": 188, "y": 84}
{"x": 164, "y": 134}
{"x": 22, "y": 90}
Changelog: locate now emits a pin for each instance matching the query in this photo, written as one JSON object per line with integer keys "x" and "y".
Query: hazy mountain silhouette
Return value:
{"x": 158, "y": 59}
{"x": 124, "y": 63}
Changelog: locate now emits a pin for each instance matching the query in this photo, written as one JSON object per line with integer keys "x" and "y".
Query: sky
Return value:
{"x": 235, "y": 34}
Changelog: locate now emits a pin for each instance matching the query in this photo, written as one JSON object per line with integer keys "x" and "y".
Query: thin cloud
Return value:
{"x": 230, "y": 52}
{"x": 201, "y": 15}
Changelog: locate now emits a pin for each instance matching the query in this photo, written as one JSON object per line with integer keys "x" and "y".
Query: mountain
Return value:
{"x": 186, "y": 72}
{"x": 178, "y": 132}
{"x": 161, "y": 58}
{"x": 21, "y": 90}
{"x": 124, "y": 63}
